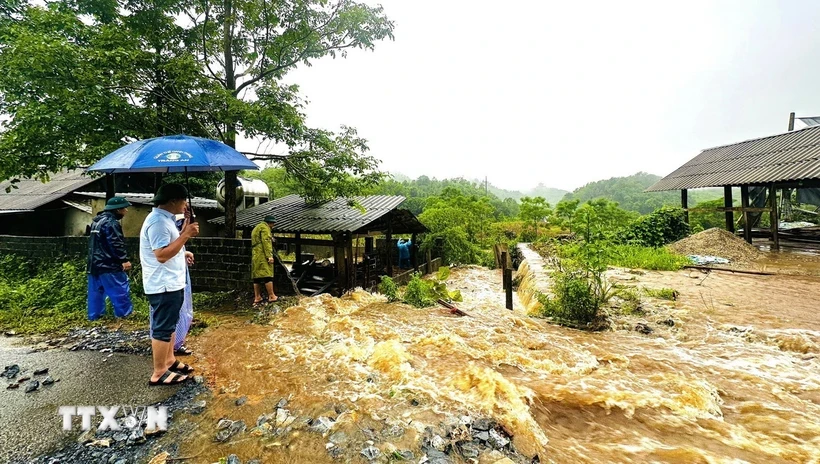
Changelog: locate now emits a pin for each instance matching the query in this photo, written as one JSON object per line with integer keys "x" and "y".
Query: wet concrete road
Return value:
{"x": 29, "y": 423}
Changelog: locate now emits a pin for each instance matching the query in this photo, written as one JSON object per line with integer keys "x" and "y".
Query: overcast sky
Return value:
{"x": 563, "y": 92}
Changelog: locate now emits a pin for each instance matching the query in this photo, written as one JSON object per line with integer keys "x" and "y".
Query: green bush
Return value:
{"x": 44, "y": 297}
{"x": 662, "y": 293}
{"x": 388, "y": 288}
{"x": 577, "y": 299}
{"x": 419, "y": 293}
{"x": 659, "y": 228}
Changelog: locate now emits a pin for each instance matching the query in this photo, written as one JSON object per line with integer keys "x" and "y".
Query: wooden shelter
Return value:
{"x": 344, "y": 220}
{"x": 769, "y": 164}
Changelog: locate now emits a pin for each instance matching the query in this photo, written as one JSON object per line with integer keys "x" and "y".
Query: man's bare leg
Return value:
{"x": 257, "y": 293}
{"x": 160, "y": 351}
{"x": 170, "y": 358}
{"x": 269, "y": 288}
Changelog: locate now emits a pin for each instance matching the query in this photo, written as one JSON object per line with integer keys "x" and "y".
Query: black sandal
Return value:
{"x": 175, "y": 380}
{"x": 182, "y": 370}
{"x": 183, "y": 351}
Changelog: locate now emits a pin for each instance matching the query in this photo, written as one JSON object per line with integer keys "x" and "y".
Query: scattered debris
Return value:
{"x": 32, "y": 386}
{"x": 11, "y": 371}
{"x": 241, "y": 401}
{"x": 41, "y": 371}
{"x": 643, "y": 328}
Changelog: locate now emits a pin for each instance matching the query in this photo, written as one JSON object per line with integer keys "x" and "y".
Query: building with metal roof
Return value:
{"x": 346, "y": 221}
{"x": 790, "y": 160}
{"x": 30, "y": 194}
{"x": 357, "y": 215}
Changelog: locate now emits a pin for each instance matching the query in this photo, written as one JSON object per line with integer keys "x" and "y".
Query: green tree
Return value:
{"x": 565, "y": 212}
{"x": 534, "y": 211}
{"x": 83, "y": 77}
{"x": 458, "y": 220}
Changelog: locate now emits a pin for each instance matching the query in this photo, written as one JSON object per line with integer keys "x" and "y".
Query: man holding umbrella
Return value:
{"x": 164, "y": 267}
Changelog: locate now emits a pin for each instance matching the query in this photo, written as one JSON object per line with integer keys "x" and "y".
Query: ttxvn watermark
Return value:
{"x": 152, "y": 417}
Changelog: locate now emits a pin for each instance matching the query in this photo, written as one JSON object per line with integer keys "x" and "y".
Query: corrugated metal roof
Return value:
{"x": 784, "y": 157}
{"x": 294, "y": 215}
{"x": 31, "y": 194}
{"x": 810, "y": 121}
{"x": 145, "y": 199}
{"x": 82, "y": 206}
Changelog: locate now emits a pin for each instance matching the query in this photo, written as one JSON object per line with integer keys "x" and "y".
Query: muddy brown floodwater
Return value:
{"x": 735, "y": 379}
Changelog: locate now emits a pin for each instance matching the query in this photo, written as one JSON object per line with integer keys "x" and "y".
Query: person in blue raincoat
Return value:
{"x": 404, "y": 253}
{"x": 108, "y": 262}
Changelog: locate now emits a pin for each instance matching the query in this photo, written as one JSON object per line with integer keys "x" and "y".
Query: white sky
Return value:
{"x": 563, "y": 92}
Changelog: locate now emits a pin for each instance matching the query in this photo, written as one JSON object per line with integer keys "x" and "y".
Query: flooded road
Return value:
{"x": 735, "y": 378}
{"x": 29, "y": 423}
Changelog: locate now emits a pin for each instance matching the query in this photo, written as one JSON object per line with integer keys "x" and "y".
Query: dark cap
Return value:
{"x": 115, "y": 203}
{"x": 170, "y": 192}
{"x": 269, "y": 218}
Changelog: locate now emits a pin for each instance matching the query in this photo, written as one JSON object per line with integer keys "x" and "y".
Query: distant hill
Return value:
{"x": 629, "y": 193}
{"x": 552, "y": 195}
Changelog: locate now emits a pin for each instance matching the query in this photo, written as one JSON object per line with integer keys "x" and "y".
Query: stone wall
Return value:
{"x": 221, "y": 264}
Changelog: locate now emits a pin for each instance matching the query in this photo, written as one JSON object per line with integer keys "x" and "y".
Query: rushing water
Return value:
{"x": 736, "y": 379}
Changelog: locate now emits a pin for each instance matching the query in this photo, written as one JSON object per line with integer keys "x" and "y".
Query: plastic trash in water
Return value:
{"x": 705, "y": 259}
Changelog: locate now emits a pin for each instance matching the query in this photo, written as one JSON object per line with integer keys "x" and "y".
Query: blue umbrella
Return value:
{"x": 173, "y": 153}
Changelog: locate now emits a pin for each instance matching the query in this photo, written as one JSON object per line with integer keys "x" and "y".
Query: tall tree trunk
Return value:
{"x": 230, "y": 132}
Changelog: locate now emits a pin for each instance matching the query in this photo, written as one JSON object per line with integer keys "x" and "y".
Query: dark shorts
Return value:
{"x": 262, "y": 280}
{"x": 166, "y": 313}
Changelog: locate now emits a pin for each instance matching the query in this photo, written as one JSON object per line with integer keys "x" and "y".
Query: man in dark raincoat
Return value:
{"x": 108, "y": 262}
{"x": 262, "y": 260}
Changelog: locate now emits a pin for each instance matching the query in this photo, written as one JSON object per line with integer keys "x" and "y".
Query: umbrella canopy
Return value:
{"x": 173, "y": 153}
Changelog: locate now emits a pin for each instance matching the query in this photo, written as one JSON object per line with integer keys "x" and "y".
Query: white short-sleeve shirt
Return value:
{"x": 158, "y": 231}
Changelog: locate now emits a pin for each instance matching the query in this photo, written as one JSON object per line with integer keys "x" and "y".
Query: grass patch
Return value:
{"x": 49, "y": 298}
{"x": 662, "y": 293}
{"x": 654, "y": 259}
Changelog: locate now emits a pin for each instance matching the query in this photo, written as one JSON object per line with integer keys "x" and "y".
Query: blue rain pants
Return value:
{"x": 113, "y": 285}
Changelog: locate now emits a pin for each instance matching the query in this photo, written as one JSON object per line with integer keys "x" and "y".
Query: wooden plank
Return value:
{"x": 727, "y": 202}
{"x": 305, "y": 241}
{"x": 738, "y": 209}
{"x": 725, "y": 269}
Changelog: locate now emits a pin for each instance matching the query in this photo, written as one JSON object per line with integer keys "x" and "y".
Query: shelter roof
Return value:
{"x": 293, "y": 215}
{"x": 145, "y": 199}
{"x": 791, "y": 156}
{"x": 30, "y": 194}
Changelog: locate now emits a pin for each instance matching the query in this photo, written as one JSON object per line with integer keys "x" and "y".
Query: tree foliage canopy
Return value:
{"x": 83, "y": 77}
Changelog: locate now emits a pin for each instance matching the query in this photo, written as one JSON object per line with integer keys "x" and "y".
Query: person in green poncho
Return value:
{"x": 262, "y": 260}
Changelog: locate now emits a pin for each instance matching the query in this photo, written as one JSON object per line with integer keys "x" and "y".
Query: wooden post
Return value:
{"x": 773, "y": 217}
{"x": 109, "y": 186}
{"x": 414, "y": 249}
{"x": 389, "y": 247}
{"x": 684, "y": 203}
{"x": 509, "y": 295}
{"x": 744, "y": 204}
{"x": 339, "y": 260}
{"x": 298, "y": 260}
{"x": 429, "y": 256}
{"x": 727, "y": 202}
{"x": 230, "y": 204}
{"x": 351, "y": 262}
{"x": 504, "y": 269}
{"x": 368, "y": 244}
